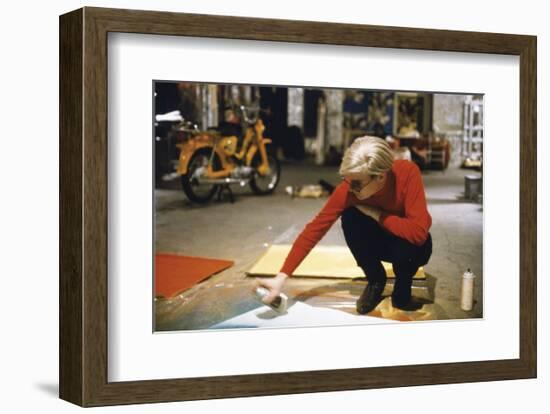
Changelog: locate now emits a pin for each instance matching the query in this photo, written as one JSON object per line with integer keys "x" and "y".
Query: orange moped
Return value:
{"x": 211, "y": 159}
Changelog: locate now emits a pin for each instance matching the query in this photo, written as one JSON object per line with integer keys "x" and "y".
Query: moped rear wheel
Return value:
{"x": 262, "y": 185}
{"x": 199, "y": 193}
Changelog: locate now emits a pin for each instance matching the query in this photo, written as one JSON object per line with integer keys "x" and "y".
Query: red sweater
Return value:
{"x": 402, "y": 201}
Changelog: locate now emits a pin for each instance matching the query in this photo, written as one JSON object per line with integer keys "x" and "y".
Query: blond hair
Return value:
{"x": 368, "y": 156}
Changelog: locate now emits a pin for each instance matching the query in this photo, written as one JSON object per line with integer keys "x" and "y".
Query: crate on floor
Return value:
{"x": 473, "y": 186}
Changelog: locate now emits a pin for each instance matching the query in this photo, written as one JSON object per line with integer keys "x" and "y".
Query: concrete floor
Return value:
{"x": 243, "y": 230}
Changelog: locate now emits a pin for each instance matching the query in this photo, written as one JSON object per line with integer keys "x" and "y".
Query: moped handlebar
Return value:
{"x": 251, "y": 113}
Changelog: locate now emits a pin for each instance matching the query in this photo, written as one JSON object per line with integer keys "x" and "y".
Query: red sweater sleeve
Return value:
{"x": 314, "y": 231}
{"x": 416, "y": 222}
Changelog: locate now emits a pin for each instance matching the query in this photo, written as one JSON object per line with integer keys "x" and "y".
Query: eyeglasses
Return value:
{"x": 357, "y": 185}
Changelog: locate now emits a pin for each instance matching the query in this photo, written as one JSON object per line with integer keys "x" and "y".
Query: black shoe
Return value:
{"x": 370, "y": 298}
{"x": 408, "y": 304}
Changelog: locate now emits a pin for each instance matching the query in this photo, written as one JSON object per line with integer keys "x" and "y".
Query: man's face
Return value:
{"x": 364, "y": 187}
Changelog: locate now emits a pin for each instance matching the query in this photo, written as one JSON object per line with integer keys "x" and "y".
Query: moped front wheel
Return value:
{"x": 266, "y": 184}
{"x": 199, "y": 193}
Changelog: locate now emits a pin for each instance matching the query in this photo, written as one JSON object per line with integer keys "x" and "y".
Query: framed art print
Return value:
{"x": 199, "y": 154}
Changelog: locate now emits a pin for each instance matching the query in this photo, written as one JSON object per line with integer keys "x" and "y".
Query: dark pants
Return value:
{"x": 371, "y": 244}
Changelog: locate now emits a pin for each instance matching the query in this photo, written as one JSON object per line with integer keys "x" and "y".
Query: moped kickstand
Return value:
{"x": 221, "y": 189}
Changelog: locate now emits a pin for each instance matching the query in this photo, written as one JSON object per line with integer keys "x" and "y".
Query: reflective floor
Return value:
{"x": 241, "y": 231}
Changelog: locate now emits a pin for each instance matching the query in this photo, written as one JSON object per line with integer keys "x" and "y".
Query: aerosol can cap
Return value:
{"x": 468, "y": 274}
{"x": 279, "y": 304}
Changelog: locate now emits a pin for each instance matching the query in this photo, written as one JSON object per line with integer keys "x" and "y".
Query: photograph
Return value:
{"x": 232, "y": 183}
{"x": 279, "y": 206}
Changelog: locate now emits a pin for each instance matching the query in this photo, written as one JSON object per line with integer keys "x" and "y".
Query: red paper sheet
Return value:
{"x": 175, "y": 274}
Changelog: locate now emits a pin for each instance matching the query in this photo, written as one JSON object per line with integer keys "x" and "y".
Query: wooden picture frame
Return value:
{"x": 83, "y": 280}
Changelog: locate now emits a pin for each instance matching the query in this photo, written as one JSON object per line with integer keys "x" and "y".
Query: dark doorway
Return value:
{"x": 275, "y": 102}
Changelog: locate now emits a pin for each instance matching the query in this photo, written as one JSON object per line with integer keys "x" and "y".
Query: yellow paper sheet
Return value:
{"x": 322, "y": 261}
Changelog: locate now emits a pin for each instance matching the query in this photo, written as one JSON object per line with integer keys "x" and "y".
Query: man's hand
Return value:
{"x": 273, "y": 285}
{"x": 370, "y": 211}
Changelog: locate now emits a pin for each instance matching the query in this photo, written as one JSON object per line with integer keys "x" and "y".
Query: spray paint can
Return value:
{"x": 279, "y": 304}
{"x": 467, "y": 296}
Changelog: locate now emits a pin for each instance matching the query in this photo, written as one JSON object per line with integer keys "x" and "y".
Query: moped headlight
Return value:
{"x": 181, "y": 137}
